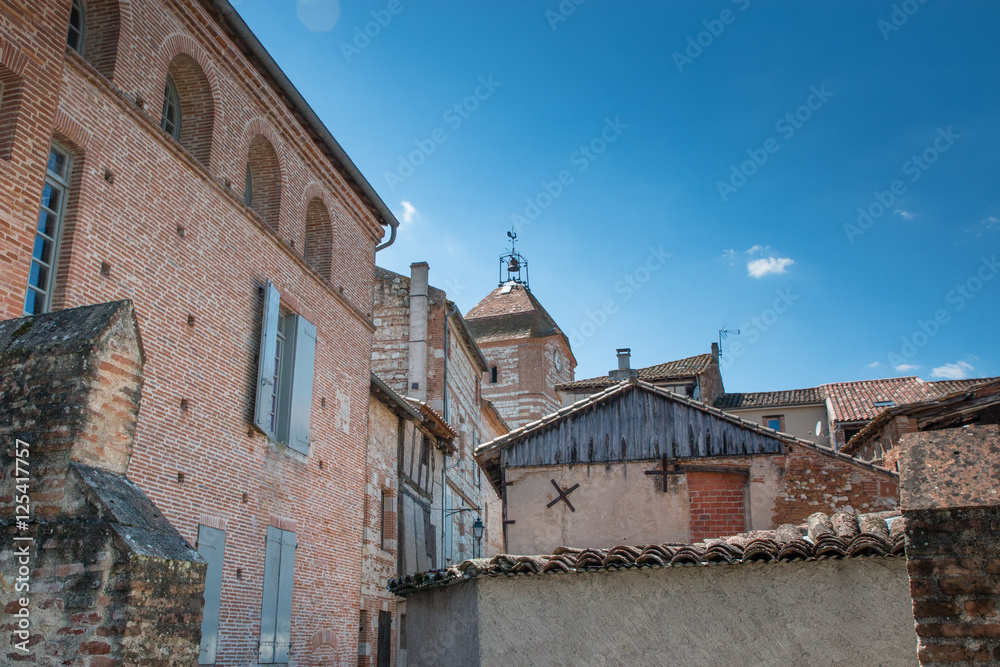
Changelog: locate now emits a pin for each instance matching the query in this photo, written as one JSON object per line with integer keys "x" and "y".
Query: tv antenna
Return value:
{"x": 725, "y": 333}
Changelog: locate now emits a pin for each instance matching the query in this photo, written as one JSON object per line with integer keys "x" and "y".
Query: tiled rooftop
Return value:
{"x": 510, "y": 311}
{"x": 764, "y": 399}
{"x": 842, "y": 535}
{"x": 856, "y": 401}
{"x": 679, "y": 369}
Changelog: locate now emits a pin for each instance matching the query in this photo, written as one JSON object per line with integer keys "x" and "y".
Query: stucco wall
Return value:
{"x": 831, "y": 612}
{"x": 615, "y": 504}
{"x": 800, "y": 421}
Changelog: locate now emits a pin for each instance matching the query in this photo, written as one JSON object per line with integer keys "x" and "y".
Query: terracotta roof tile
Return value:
{"x": 843, "y": 535}
{"x": 763, "y": 399}
{"x": 857, "y": 401}
{"x": 671, "y": 370}
{"x": 510, "y": 313}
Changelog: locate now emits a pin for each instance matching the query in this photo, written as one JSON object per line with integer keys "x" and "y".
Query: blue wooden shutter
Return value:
{"x": 269, "y": 597}
{"x": 283, "y": 627}
{"x": 265, "y": 366}
{"x": 212, "y": 547}
{"x": 302, "y": 385}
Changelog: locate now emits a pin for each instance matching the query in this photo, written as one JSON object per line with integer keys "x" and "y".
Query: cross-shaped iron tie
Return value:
{"x": 665, "y": 471}
{"x": 562, "y": 495}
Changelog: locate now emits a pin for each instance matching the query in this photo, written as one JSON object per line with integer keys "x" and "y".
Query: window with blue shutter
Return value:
{"x": 276, "y": 598}
{"x": 285, "y": 373}
{"x": 212, "y": 547}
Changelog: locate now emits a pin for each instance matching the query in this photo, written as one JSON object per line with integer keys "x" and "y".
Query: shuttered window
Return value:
{"x": 285, "y": 374}
{"x": 276, "y": 600}
{"x": 212, "y": 547}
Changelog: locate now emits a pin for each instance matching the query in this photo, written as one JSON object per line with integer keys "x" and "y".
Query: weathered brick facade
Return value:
{"x": 92, "y": 574}
{"x": 952, "y": 513}
{"x": 411, "y": 354}
{"x": 162, "y": 221}
{"x": 717, "y": 504}
{"x": 527, "y": 353}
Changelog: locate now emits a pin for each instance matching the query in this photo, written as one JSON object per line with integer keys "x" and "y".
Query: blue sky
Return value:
{"x": 823, "y": 176}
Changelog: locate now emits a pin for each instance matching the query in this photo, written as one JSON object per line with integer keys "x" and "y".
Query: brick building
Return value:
{"x": 641, "y": 464}
{"x": 423, "y": 350}
{"x": 527, "y": 353}
{"x": 153, "y": 151}
{"x": 879, "y": 441}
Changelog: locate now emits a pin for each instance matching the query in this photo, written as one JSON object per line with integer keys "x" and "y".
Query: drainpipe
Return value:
{"x": 445, "y": 412}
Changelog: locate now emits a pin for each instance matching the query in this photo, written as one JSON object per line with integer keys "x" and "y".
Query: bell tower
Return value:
{"x": 527, "y": 352}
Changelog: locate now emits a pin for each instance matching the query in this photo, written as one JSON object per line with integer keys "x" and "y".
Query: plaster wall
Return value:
{"x": 832, "y": 612}
{"x": 800, "y": 420}
{"x": 615, "y": 504}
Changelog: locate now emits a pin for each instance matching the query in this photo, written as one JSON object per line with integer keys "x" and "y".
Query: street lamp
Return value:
{"x": 477, "y": 532}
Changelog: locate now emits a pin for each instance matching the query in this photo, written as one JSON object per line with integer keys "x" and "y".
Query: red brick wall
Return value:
{"x": 178, "y": 241}
{"x": 817, "y": 482}
{"x": 717, "y": 504}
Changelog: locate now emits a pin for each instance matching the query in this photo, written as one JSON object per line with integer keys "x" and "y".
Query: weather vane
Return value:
{"x": 513, "y": 263}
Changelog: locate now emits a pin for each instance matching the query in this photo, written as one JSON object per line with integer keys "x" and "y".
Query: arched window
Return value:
{"x": 170, "y": 120}
{"x": 318, "y": 250}
{"x": 493, "y": 375}
{"x": 264, "y": 174}
{"x": 77, "y": 26}
{"x": 189, "y": 107}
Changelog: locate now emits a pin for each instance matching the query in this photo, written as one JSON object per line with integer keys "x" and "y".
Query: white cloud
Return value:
{"x": 875, "y": 364}
{"x": 755, "y": 249}
{"x": 906, "y": 368}
{"x": 759, "y": 268}
{"x": 957, "y": 371}
{"x": 906, "y": 215}
{"x": 730, "y": 256}
{"x": 409, "y": 212}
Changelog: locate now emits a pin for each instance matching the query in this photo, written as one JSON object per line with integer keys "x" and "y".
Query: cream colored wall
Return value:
{"x": 854, "y": 611}
{"x": 800, "y": 420}
{"x": 615, "y": 504}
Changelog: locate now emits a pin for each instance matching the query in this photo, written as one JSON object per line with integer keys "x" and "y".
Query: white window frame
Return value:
{"x": 60, "y": 183}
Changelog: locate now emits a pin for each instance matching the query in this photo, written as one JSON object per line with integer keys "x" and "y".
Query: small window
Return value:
{"x": 248, "y": 188}
{"x": 285, "y": 374}
{"x": 38, "y": 299}
{"x": 170, "y": 120}
{"x": 776, "y": 422}
{"x": 276, "y": 598}
{"x": 386, "y": 528}
{"x": 77, "y": 25}
{"x": 493, "y": 375}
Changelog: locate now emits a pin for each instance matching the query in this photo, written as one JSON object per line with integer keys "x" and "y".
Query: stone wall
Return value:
{"x": 951, "y": 503}
{"x": 93, "y": 574}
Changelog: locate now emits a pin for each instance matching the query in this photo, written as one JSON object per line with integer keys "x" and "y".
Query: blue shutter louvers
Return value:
{"x": 212, "y": 547}
{"x": 265, "y": 368}
{"x": 276, "y": 598}
{"x": 301, "y": 385}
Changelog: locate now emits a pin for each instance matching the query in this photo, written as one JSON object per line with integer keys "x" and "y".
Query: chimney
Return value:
{"x": 715, "y": 354}
{"x": 624, "y": 370}
{"x": 417, "y": 372}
